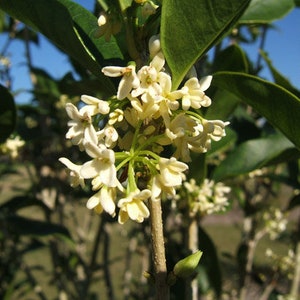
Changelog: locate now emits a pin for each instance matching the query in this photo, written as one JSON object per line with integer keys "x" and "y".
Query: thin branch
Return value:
{"x": 158, "y": 248}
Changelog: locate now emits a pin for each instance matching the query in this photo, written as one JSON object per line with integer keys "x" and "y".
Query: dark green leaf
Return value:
{"x": 224, "y": 103}
{"x": 232, "y": 58}
{"x": 70, "y": 27}
{"x": 295, "y": 201}
{"x": 255, "y": 154}
{"x": 7, "y": 114}
{"x": 190, "y": 28}
{"x": 280, "y": 107}
{"x": 209, "y": 271}
{"x": 18, "y": 202}
{"x": 25, "y": 226}
{"x": 266, "y": 11}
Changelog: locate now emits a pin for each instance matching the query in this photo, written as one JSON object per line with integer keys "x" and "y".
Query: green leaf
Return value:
{"x": 190, "y": 28}
{"x": 266, "y": 11}
{"x": 19, "y": 202}
{"x": 209, "y": 270}
{"x": 232, "y": 58}
{"x": 70, "y": 27}
{"x": 278, "y": 77}
{"x": 255, "y": 154}
{"x": 25, "y": 226}
{"x": 280, "y": 107}
{"x": 7, "y": 114}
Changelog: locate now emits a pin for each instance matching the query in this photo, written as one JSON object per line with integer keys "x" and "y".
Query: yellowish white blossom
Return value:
{"x": 129, "y": 79}
{"x": 74, "y": 172}
{"x": 116, "y": 116}
{"x": 133, "y": 206}
{"x": 275, "y": 222}
{"x": 94, "y": 106}
{"x": 12, "y": 146}
{"x": 101, "y": 165}
{"x": 104, "y": 199}
{"x": 208, "y": 198}
{"x": 81, "y": 127}
{"x": 193, "y": 93}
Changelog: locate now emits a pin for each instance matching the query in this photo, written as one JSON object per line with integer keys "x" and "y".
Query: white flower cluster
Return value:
{"x": 125, "y": 135}
{"x": 208, "y": 198}
{"x": 275, "y": 222}
{"x": 11, "y": 146}
{"x": 283, "y": 264}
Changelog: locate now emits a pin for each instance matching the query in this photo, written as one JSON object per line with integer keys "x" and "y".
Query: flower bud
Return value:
{"x": 186, "y": 267}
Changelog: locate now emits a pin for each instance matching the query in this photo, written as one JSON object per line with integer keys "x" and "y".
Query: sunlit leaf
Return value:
{"x": 7, "y": 114}
{"x": 278, "y": 77}
{"x": 280, "y": 107}
{"x": 190, "y": 28}
{"x": 266, "y": 11}
{"x": 70, "y": 27}
{"x": 255, "y": 154}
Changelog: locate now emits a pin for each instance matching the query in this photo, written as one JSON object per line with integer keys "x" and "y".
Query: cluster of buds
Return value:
{"x": 12, "y": 146}
{"x": 275, "y": 222}
{"x": 207, "y": 198}
{"x": 283, "y": 264}
{"x": 126, "y": 135}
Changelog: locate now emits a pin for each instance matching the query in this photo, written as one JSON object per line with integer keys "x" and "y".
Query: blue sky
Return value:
{"x": 282, "y": 46}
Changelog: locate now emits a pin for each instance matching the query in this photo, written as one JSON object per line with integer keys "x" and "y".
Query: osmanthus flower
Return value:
{"x": 116, "y": 116}
{"x": 74, "y": 172}
{"x": 133, "y": 206}
{"x": 180, "y": 131}
{"x": 171, "y": 174}
{"x": 12, "y": 146}
{"x": 108, "y": 136}
{"x": 207, "y": 198}
{"x": 206, "y": 131}
{"x": 94, "y": 106}
{"x": 193, "y": 93}
{"x": 102, "y": 165}
{"x": 149, "y": 78}
{"x": 81, "y": 127}
{"x": 103, "y": 200}
{"x": 129, "y": 79}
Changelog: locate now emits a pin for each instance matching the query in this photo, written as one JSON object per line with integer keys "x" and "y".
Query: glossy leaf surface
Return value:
{"x": 190, "y": 28}
{"x": 266, "y": 11}
{"x": 255, "y": 154}
{"x": 280, "y": 107}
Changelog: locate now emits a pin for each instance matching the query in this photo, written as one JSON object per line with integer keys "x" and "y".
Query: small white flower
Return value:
{"x": 172, "y": 171}
{"x": 74, "y": 172}
{"x": 101, "y": 165}
{"x": 159, "y": 189}
{"x": 11, "y": 146}
{"x": 133, "y": 206}
{"x": 194, "y": 95}
{"x": 81, "y": 127}
{"x": 104, "y": 199}
{"x": 129, "y": 79}
{"x": 94, "y": 106}
{"x": 116, "y": 116}
{"x": 108, "y": 135}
